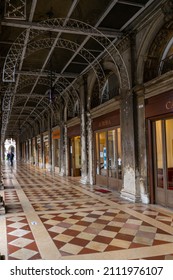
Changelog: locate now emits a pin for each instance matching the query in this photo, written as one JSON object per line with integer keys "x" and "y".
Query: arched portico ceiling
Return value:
{"x": 59, "y": 86}
{"x": 57, "y": 25}
{"x": 99, "y": 15}
{"x": 36, "y": 41}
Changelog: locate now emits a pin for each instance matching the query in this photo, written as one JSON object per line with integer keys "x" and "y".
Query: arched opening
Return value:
{"x": 166, "y": 63}
{"x": 10, "y": 148}
{"x": 109, "y": 91}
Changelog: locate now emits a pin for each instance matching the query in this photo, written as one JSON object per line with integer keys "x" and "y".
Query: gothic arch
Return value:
{"x": 155, "y": 43}
{"x": 147, "y": 39}
{"x": 108, "y": 66}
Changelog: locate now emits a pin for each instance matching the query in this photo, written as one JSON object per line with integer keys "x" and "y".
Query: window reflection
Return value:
{"x": 169, "y": 149}
{"x": 159, "y": 154}
{"x": 108, "y": 153}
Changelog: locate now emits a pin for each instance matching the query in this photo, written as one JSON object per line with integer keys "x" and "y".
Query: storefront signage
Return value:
{"x": 38, "y": 140}
{"x": 56, "y": 134}
{"x": 104, "y": 123}
{"x": 159, "y": 105}
{"x": 169, "y": 105}
{"x": 45, "y": 138}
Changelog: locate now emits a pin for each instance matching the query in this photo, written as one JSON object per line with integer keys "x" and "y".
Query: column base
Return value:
{"x": 1, "y": 186}
{"x": 2, "y": 210}
{"x": 143, "y": 191}
{"x": 2, "y": 206}
{"x": 145, "y": 198}
{"x": 130, "y": 196}
{"x": 84, "y": 180}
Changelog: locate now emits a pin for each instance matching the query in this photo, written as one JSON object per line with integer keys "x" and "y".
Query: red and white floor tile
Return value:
{"x": 50, "y": 217}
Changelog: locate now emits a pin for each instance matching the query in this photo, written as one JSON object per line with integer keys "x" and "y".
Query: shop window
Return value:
{"x": 108, "y": 153}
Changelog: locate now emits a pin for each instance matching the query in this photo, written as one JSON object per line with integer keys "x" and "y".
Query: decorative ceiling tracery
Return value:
{"x": 73, "y": 46}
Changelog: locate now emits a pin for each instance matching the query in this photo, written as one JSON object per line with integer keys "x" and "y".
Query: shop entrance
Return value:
{"x": 163, "y": 161}
{"x": 108, "y": 158}
{"x": 75, "y": 156}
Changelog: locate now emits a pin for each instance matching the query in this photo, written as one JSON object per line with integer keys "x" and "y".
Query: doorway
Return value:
{"x": 108, "y": 158}
{"x": 75, "y": 156}
{"x": 163, "y": 161}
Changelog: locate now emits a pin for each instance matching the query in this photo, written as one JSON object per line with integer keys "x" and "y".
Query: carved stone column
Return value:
{"x": 84, "y": 167}
{"x": 42, "y": 150}
{"x": 1, "y": 175}
{"x": 62, "y": 169}
{"x": 2, "y": 204}
{"x": 50, "y": 141}
{"x": 142, "y": 150}
{"x": 36, "y": 152}
{"x": 1, "y": 155}
{"x": 90, "y": 150}
{"x": 66, "y": 158}
{"x": 130, "y": 171}
{"x": 26, "y": 151}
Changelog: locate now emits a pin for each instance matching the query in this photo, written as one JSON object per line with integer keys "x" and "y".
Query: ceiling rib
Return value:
{"x": 11, "y": 99}
{"x": 130, "y": 3}
{"x": 60, "y": 29}
{"x": 75, "y": 2}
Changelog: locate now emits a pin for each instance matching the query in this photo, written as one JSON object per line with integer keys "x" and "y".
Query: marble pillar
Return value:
{"x": 90, "y": 150}
{"x": 50, "y": 141}
{"x": 130, "y": 188}
{"x": 142, "y": 148}
{"x": 83, "y": 118}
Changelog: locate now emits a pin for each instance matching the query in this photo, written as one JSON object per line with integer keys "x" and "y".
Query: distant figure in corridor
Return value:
{"x": 8, "y": 156}
{"x": 11, "y": 158}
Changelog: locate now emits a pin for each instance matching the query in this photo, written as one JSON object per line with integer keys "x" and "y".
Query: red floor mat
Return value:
{"x": 102, "y": 190}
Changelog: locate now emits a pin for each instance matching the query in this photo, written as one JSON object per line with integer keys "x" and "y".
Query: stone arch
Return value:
{"x": 147, "y": 39}
{"x": 156, "y": 40}
{"x": 109, "y": 66}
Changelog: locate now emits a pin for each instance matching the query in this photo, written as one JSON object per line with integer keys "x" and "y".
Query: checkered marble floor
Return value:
{"x": 52, "y": 217}
{"x": 101, "y": 231}
{"x": 21, "y": 243}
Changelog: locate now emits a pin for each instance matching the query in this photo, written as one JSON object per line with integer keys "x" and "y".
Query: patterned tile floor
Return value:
{"x": 51, "y": 217}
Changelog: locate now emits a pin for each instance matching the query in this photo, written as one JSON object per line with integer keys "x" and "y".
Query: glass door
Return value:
{"x": 163, "y": 161}
{"x": 112, "y": 164}
{"x": 108, "y": 157}
{"x": 75, "y": 156}
{"x": 77, "y": 152}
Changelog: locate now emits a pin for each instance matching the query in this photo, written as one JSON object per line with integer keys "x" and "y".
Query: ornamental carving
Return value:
{"x": 152, "y": 64}
{"x": 167, "y": 9}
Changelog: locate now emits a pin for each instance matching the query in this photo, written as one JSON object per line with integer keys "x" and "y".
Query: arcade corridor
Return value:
{"x": 53, "y": 217}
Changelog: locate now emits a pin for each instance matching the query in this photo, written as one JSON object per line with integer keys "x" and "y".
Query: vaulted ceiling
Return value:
{"x": 52, "y": 43}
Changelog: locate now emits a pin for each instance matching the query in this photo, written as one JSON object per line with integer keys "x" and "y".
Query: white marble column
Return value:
{"x": 90, "y": 150}
{"x": 50, "y": 140}
{"x": 83, "y": 127}
{"x": 130, "y": 189}
{"x": 2, "y": 204}
{"x": 142, "y": 148}
{"x": 63, "y": 150}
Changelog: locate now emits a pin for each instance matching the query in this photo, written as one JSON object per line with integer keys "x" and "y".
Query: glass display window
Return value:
{"x": 108, "y": 154}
